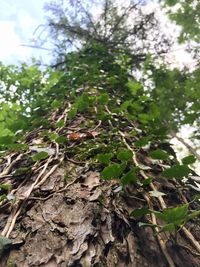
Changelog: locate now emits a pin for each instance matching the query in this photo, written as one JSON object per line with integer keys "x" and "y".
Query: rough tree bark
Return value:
{"x": 65, "y": 215}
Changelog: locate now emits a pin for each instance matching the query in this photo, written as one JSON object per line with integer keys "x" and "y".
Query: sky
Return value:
{"x": 18, "y": 21}
{"x": 20, "y": 18}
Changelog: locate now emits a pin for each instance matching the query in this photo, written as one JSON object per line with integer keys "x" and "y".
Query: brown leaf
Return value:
{"x": 75, "y": 136}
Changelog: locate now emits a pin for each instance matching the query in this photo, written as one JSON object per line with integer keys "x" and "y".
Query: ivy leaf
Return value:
{"x": 174, "y": 215}
{"x": 124, "y": 155}
{"x": 61, "y": 140}
{"x": 134, "y": 87}
{"x": 18, "y": 147}
{"x": 193, "y": 215}
{"x": 189, "y": 160}
{"x": 5, "y": 187}
{"x": 60, "y": 124}
{"x": 3, "y": 197}
{"x": 6, "y": 140}
{"x": 40, "y": 156}
{"x": 129, "y": 178}
{"x": 142, "y": 142}
{"x": 144, "y": 118}
{"x": 22, "y": 171}
{"x": 170, "y": 227}
{"x": 159, "y": 154}
{"x": 104, "y": 158}
{"x": 56, "y": 104}
{"x": 53, "y": 136}
{"x": 147, "y": 181}
{"x": 156, "y": 194}
{"x": 113, "y": 171}
{"x": 137, "y": 213}
{"x": 103, "y": 99}
{"x": 73, "y": 111}
{"x": 177, "y": 171}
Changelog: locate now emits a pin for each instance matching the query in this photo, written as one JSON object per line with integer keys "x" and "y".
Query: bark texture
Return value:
{"x": 65, "y": 215}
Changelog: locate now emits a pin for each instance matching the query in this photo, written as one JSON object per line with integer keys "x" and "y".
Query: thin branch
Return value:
{"x": 37, "y": 47}
{"x": 188, "y": 146}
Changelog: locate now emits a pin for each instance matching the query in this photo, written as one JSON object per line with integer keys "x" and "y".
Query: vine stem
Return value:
{"x": 163, "y": 205}
{"x": 160, "y": 241}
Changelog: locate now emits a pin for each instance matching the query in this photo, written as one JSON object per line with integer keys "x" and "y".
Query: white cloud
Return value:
{"x": 18, "y": 20}
{"x": 10, "y": 49}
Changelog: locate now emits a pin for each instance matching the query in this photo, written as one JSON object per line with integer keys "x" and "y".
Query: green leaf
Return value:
{"x": 171, "y": 2}
{"x": 113, "y": 171}
{"x": 193, "y": 215}
{"x": 144, "y": 118}
{"x": 147, "y": 181}
{"x": 17, "y": 147}
{"x": 56, "y": 104}
{"x": 170, "y": 227}
{"x": 21, "y": 171}
{"x": 142, "y": 142}
{"x": 53, "y": 136}
{"x": 159, "y": 154}
{"x": 174, "y": 215}
{"x": 189, "y": 160}
{"x": 104, "y": 158}
{"x": 103, "y": 99}
{"x": 129, "y": 178}
{"x": 3, "y": 197}
{"x": 177, "y": 171}
{"x": 4, "y": 132}
{"x": 156, "y": 194}
{"x": 124, "y": 155}
{"x": 5, "y": 187}
{"x": 6, "y": 140}
{"x": 73, "y": 111}
{"x": 61, "y": 140}
{"x": 134, "y": 87}
{"x": 40, "y": 156}
{"x": 160, "y": 131}
{"x": 137, "y": 213}
{"x": 60, "y": 124}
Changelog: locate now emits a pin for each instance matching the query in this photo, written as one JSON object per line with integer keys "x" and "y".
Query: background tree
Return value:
{"x": 186, "y": 15}
{"x": 124, "y": 28}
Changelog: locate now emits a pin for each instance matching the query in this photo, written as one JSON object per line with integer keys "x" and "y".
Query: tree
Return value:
{"x": 138, "y": 43}
{"x": 187, "y": 16}
{"x": 96, "y": 183}
{"x": 179, "y": 90}
{"x": 125, "y": 28}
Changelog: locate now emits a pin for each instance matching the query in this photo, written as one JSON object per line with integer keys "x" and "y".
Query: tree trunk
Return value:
{"x": 65, "y": 215}
{"x": 186, "y": 144}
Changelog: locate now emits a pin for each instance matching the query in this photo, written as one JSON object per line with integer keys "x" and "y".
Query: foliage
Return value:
{"x": 187, "y": 15}
{"x": 96, "y": 83}
{"x": 115, "y": 27}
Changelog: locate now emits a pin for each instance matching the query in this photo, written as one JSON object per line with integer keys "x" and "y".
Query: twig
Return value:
{"x": 56, "y": 192}
{"x": 189, "y": 249}
{"x": 191, "y": 238}
{"x": 160, "y": 198}
{"x": 189, "y": 147}
{"x": 13, "y": 217}
{"x": 160, "y": 241}
{"x": 74, "y": 161}
{"x": 10, "y": 165}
